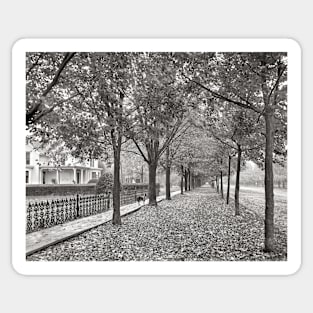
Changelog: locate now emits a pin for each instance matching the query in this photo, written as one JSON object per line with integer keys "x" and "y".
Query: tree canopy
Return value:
{"x": 190, "y": 112}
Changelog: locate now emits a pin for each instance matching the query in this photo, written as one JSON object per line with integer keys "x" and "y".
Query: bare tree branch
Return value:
{"x": 139, "y": 149}
{"x": 130, "y": 151}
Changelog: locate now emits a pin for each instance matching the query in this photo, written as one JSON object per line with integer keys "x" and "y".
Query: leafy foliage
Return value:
{"x": 105, "y": 183}
{"x": 159, "y": 103}
{"x": 45, "y": 72}
{"x": 94, "y": 103}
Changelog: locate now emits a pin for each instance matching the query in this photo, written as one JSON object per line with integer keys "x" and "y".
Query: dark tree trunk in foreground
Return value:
{"x": 189, "y": 179}
{"x": 269, "y": 241}
{"x": 168, "y": 175}
{"x": 228, "y": 179}
{"x": 152, "y": 183}
{"x": 217, "y": 185}
{"x": 182, "y": 180}
{"x": 168, "y": 183}
{"x": 237, "y": 181}
{"x": 222, "y": 192}
{"x": 268, "y": 180}
{"x": 186, "y": 180}
{"x": 117, "y": 186}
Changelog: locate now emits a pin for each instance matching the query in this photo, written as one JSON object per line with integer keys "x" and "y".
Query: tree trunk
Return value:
{"x": 268, "y": 180}
{"x": 222, "y": 192}
{"x": 152, "y": 183}
{"x": 189, "y": 179}
{"x": 192, "y": 181}
{"x": 228, "y": 179}
{"x": 116, "y": 187}
{"x": 186, "y": 180}
{"x": 237, "y": 181}
{"x": 168, "y": 176}
{"x": 221, "y": 174}
{"x": 168, "y": 183}
{"x": 217, "y": 185}
{"x": 182, "y": 180}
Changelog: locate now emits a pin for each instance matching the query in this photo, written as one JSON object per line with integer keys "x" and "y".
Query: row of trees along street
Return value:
{"x": 199, "y": 114}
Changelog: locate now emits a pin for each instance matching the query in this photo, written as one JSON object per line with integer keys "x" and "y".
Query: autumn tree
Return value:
{"x": 172, "y": 155}
{"x": 96, "y": 123}
{"x": 159, "y": 110}
{"x": 195, "y": 156}
{"x": 239, "y": 132}
{"x": 254, "y": 82}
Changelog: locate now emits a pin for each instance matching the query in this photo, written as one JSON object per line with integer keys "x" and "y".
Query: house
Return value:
{"x": 40, "y": 169}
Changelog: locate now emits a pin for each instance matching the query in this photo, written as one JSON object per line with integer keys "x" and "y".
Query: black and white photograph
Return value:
{"x": 157, "y": 156}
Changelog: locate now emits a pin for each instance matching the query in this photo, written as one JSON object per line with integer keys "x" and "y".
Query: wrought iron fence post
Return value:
{"x": 108, "y": 201}
{"x": 77, "y": 205}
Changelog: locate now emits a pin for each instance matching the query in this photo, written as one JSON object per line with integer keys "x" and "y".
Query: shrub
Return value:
{"x": 105, "y": 183}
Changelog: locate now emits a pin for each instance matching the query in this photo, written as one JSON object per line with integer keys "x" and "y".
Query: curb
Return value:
{"x": 30, "y": 252}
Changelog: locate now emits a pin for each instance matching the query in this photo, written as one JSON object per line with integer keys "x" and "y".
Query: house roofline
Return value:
{"x": 69, "y": 167}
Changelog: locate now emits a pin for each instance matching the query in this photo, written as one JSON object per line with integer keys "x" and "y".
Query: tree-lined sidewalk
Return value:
{"x": 190, "y": 112}
{"x": 195, "y": 226}
{"x": 44, "y": 238}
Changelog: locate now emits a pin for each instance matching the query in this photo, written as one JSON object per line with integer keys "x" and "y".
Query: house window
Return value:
{"x": 27, "y": 177}
{"x": 94, "y": 175}
{"x": 27, "y": 158}
{"x": 92, "y": 162}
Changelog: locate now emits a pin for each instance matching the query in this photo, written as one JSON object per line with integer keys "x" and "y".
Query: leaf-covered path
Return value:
{"x": 196, "y": 226}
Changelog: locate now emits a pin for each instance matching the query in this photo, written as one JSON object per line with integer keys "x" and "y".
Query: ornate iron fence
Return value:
{"x": 131, "y": 196}
{"x": 45, "y": 214}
